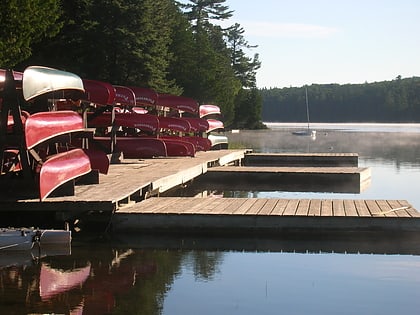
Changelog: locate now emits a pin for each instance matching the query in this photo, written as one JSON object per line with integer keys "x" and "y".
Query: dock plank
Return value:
{"x": 362, "y": 208}
{"x": 269, "y": 214}
{"x": 326, "y": 208}
{"x": 338, "y": 208}
{"x": 315, "y": 207}
{"x": 303, "y": 207}
{"x": 280, "y": 207}
{"x": 291, "y": 207}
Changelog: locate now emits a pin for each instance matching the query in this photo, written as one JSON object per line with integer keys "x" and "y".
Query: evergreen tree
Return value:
{"x": 23, "y": 23}
{"x": 245, "y": 68}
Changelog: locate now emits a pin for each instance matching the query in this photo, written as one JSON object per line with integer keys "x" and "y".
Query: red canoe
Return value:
{"x": 214, "y": 124}
{"x": 61, "y": 168}
{"x": 197, "y": 124}
{"x": 143, "y": 122}
{"x": 178, "y": 146}
{"x": 97, "y": 92}
{"x": 200, "y": 143}
{"x": 179, "y": 103}
{"x": 43, "y": 126}
{"x": 174, "y": 124}
{"x": 144, "y": 96}
{"x": 206, "y": 110}
{"x": 124, "y": 96}
{"x": 135, "y": 147}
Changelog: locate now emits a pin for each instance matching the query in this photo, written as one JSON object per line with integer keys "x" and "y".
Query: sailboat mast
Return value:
{"x": 307, "y": 105}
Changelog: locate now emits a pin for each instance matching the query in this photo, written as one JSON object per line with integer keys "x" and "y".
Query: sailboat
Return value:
{"x": 308, "y": 131}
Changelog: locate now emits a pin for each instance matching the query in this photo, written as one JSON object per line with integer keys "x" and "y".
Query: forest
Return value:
{"x": 173, "y": 47}
{"x": 394, "y": 101}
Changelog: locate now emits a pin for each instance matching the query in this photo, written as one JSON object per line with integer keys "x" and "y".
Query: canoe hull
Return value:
{"x": 61, "y": 168}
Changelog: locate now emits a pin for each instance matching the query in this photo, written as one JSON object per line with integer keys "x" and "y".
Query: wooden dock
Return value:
{"x": 302, "y": 159}
{"x": 274, "y": 178}
{"x": 232, "y": 215}
{"x": 132, "y": 192}
{"x": 127, "y": 182}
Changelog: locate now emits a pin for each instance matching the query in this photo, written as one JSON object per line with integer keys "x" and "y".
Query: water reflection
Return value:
{"x": 344, "y": 273}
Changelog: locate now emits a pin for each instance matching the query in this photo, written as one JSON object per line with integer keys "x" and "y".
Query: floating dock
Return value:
{"x": 131, "y": 198}
{"x": 302, "y": 159}
{"x": 235, "y": 215}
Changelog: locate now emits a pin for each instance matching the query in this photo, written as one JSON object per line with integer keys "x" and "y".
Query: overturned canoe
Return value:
{"x": 61, "y": 168}
{"x": 39, "y": 80}
{"x": 214, "y": 124}
{"x": 174, "y": 124}
{"x": 200, "y": 143}
{"x": 179, "y": 103}
{"x": 144, "y": 96}
{"x": 206, "y": 110}
{"x": 143, "y": 122}
{"x": 98, "y": 92}
{"x": 124, "y": 96}
{"x": 135, "y": 147}
{"x": 43, "y": 126}
{"x": 197, "y": 124}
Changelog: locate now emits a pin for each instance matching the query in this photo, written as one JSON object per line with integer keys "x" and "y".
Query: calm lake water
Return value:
{"x": 350, "y": 274}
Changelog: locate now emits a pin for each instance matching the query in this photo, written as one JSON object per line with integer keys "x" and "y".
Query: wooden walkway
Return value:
{"x": 126, "y": 182}
{"x": 269, "y": 215}
{"x": 302, "y": 159}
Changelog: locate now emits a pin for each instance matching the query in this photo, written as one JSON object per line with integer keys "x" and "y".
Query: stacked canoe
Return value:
{"x": 57, "y": 129}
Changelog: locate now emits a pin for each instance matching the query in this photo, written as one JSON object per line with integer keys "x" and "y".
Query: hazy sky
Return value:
{"x": 331, "y": 41}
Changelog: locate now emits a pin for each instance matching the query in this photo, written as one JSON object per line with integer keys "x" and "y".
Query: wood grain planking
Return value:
{"x": 413, "y": 212}
{"x": 400, "y": 210}
{"x": 350, "y": 208}
{"x": 291, "y": 207}
{"x": 362, "y": 208}
{"x": 303, "y": 207}
{"x": 257, "y": 206}
{"x": 326, "y": 208}
{"x": 314, "y": 208}
{"x": 338, "y": 208}
{"x": 374, "y": 208}
{"x": 280, "y": 207}
{"x": 196, "y": 204}
{"x": 245, "y": 206}
{"x": 386, "y": 209}
{"x": 268, "y": 207}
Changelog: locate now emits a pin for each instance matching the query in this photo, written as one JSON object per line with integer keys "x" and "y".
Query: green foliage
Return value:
{"x": 161, "y": 44}
{"x": 387, "y": 101}
{"x": 23, "y": 23}
{"x": 248, "y": 106}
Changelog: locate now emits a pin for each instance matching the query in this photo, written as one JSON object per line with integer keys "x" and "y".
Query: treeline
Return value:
{"x": 388, "y": 101}
{"x": 172, "y": 47}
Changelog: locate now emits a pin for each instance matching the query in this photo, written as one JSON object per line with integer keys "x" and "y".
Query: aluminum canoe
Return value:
{"x": 39, "y": 80}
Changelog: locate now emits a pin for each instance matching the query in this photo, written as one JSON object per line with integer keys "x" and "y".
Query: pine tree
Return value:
{"x": 23, "y": 23}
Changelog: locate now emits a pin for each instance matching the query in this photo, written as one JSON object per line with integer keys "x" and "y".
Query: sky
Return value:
{"x": 304, "y": 42}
